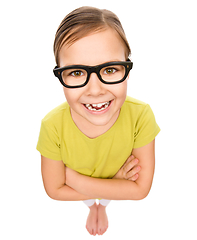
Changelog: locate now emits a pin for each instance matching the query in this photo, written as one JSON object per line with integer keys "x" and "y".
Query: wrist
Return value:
{"x": 71, "y": 177}
{"x": 119, "y": 175}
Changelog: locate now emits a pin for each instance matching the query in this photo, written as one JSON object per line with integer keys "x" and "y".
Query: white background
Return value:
{"x": 163, "y": 39}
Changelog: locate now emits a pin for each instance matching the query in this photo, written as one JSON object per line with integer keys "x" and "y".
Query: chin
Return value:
{"x": 99, "y": 123}
{"x": 103, "y": 121}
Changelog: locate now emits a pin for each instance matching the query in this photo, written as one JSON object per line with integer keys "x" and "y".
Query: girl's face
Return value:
{"x": 95, "y": 49}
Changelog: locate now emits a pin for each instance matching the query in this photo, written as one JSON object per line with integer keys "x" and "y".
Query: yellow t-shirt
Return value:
{"x": 101, "y": 157}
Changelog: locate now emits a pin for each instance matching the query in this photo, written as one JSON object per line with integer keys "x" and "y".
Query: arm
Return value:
{"x": 118, "y": 189}
{"x": 53, "y": 174}
{"x": 130, "y": 170}
{"x": 54, "y": 178}
{"x": 146, "y": 155}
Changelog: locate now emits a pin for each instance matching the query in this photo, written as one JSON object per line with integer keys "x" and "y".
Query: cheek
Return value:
{"x": 72, "y": 95}
{"x": 65, "y": 93}
{"x": 124, "y": 88}
{"x": 120, "y": 90}
{"x": 69, "y": 96}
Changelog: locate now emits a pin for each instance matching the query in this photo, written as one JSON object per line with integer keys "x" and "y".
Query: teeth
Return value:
{"x": 99, "y": 105}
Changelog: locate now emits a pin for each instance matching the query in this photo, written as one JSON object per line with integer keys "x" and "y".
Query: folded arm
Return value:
{"x": 54, "y": 178}
{"x": 113, "y": 189}
{"x": 79, "y": 187}
{"x": 118, "y": 189}
{"x": 53, "y": 174}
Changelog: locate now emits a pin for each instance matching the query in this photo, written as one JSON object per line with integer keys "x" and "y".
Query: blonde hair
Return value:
{"x": 84, "y": 21}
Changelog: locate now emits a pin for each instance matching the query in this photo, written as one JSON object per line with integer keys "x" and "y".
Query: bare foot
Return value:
{"x": 102, "y": 220}
{"x": 91, "y": 224}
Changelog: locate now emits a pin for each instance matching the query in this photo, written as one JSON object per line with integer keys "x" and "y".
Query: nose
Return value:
{"x": 95, "y": 87}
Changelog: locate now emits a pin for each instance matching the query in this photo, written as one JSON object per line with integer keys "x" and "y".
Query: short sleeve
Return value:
{"x": 146, "y": 128}
{"x": 49, "y": 143}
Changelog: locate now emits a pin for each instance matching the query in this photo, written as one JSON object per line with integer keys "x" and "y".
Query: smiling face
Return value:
{"x": 96, "y": 104}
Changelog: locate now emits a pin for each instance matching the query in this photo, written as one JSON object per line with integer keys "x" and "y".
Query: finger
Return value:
{"x": 131, "y": 157}
{"x": 132, "y": 173}
{"x": 128, "y": 160}
{"x": 130, "y": 165}
{"x": 134, "y": 178}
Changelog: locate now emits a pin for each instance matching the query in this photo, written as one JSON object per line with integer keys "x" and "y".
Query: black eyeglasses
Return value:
{"x": 76, "y": 76}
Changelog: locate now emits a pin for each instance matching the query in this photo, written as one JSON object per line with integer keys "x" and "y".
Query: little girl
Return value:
{"x": 91, "y": 145}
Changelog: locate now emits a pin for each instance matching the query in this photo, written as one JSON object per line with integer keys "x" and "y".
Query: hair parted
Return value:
{"x": 83, "y": 21}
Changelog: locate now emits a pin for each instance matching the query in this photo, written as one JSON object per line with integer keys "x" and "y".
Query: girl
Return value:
{"x": 88, "y": 143}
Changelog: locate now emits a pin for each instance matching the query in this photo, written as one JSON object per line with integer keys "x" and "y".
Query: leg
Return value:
{"x": 91, "y": 224}
{"x": 102, "y": 217}
{"x": 104, "y": 202}
{"x": 89, "y": 202}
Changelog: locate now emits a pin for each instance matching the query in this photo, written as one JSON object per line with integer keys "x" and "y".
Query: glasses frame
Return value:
{"x": 93, "y": 69}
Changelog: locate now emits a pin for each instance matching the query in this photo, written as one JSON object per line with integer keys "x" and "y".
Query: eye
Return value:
{"x": 77, "y": 73}
{"x": 109, "y": 70}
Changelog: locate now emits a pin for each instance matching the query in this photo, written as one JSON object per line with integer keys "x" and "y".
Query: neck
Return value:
{"x": 89, "y": 129}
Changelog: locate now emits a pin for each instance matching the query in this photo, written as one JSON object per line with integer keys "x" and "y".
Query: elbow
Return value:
{"x": 144, "y": 193}
{"x": 52, "y": 194}
{"x": 143, "y": 190}
{"x": 138, "y": 197}
{"x": 141, "y": 193}
{"x": 55, "y": 193}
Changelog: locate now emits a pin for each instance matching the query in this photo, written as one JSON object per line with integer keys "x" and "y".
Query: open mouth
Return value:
{"x": 97, "y": 107}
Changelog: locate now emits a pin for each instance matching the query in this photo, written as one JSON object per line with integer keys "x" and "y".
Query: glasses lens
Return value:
{"x": 113, "y": 73}
{"x": 74, "y": 77}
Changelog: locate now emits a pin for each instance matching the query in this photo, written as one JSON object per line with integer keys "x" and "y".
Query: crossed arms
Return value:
{"x": 67, "y": 185}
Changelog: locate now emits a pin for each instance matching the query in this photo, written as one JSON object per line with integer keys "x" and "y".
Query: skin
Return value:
{"x": 62, "y": 183}
{"x": 54, "y": 178}
{"x": 93, "y": 50}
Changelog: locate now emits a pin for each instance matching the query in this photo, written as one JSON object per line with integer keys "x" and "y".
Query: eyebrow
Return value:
{"x": 114, "y": 60}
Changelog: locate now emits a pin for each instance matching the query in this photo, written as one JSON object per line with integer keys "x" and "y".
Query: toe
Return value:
{"x": 99, "y": 231}
{"x": 93, "y": 232}
{"x": 88, "y": 229}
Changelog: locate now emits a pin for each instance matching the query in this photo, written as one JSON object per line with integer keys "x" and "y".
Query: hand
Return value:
{"x": 70, "y": 176}
{"x": 129, "y": 170}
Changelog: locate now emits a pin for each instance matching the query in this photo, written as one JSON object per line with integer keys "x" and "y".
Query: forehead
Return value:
{"x": 94, "y": 49}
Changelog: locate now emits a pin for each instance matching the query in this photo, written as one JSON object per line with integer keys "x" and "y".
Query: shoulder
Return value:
{"x": 135, "y": 106}
{"x": 140, "y": 114}
{"x": 138, "y": 110}
{"x": 49, "y": 142}
{"x": 143, "y": 119}
{"x": 133, "y": 101}
{"x": 56, "y": 114}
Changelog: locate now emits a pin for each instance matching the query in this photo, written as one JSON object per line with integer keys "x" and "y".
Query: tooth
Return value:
{"x": 100, "y": 105}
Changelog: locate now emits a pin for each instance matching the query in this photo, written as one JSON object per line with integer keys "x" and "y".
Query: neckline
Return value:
{"x": 78, "y": 131}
